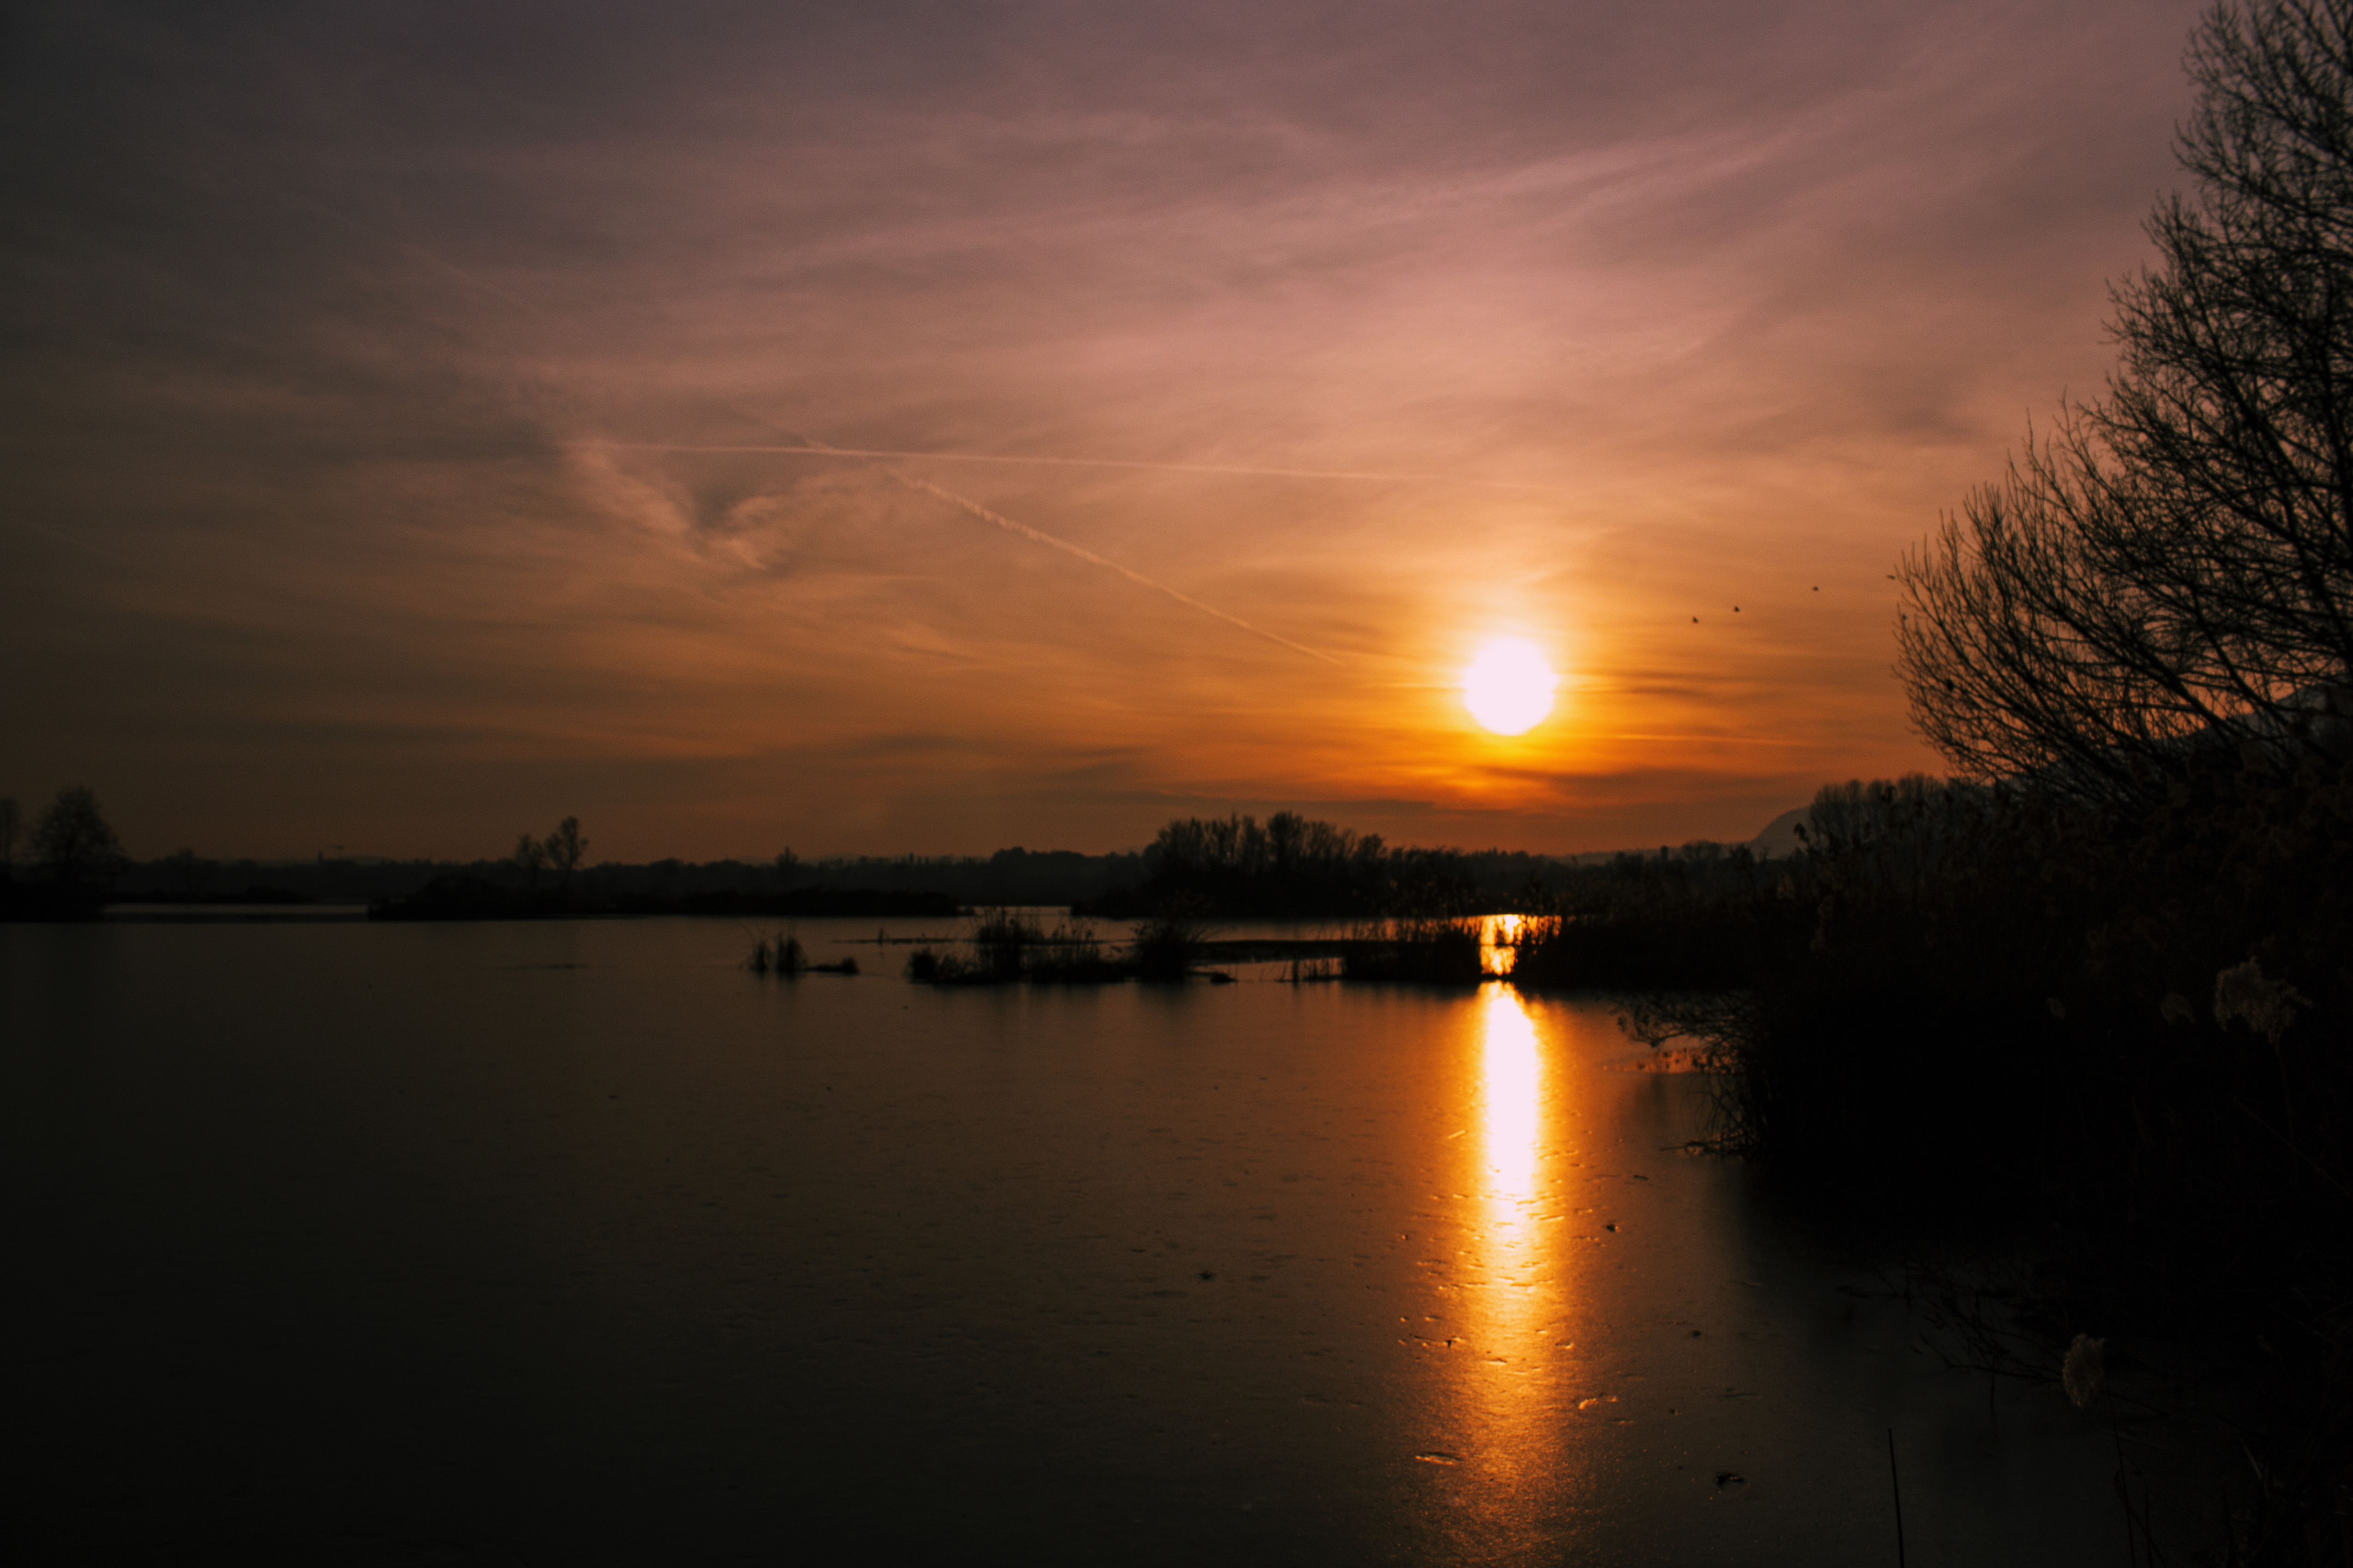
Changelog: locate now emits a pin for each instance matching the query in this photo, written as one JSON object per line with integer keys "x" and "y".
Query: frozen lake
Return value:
{"x": 573, "y": 1241}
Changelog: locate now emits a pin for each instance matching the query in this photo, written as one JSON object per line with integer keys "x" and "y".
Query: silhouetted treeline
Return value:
{"x": 1293, "y": 866}
{"x": 1975, "y": 984}
{"x": 2137, "y": 1013}
{"x": 1288, "y": 865}
{"x": 784, "y": 887}
{"x": 461, "y": 896}
{"x": 2116, "y": 1036}
{"x": 1009, "y": 876}
{"x": 2146, "y": 616}
{"x": 1703, "y": 915}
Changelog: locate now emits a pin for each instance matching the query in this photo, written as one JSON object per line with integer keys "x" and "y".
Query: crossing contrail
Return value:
{"x": 1039, "y": 536}
{"x": 1370, "y": 477}
{"x": 1035, "y": 535}
{"x": 962, "y": 503}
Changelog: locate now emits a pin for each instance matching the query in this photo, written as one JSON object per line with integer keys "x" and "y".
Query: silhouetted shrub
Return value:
{"x": 1167, "y": 947}
{"x": 1073, "y": 953}
{"x": 1700, "y": 917}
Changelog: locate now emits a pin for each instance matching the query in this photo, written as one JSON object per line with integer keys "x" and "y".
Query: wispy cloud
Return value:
{"x": 1342, "y": 337}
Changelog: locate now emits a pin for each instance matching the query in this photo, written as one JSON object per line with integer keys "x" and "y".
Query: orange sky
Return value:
{"x": 355, "y": 364}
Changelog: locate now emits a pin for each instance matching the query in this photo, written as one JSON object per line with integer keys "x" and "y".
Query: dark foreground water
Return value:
{"x": 564, "y": 1243}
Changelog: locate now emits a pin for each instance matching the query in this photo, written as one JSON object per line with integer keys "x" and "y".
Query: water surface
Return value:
{"x": 573, "y": 1241}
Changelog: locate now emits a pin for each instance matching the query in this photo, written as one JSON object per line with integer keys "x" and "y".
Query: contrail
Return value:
{"x": 962, "y": 503}
{"x": 1039, "y": 536}
{"x": 818, "y": 451}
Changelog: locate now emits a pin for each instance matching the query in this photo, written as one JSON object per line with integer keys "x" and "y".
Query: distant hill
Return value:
{"x": 1779, "y": 839}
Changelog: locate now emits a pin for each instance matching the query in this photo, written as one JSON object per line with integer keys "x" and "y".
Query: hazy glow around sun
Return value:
{"x": 1509, "y": 687}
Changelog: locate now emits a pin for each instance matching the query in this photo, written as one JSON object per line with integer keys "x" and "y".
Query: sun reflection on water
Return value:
{"x": 1510, "y": 1106}
{"x": 1514, "y": 1310}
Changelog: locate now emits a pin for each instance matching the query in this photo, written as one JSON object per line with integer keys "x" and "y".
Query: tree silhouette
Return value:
{"x": 73, "y": 841}
{"x": 565, "y": 846}
{"x": 531, "y": 856}
{"x": 2174, "y": 563}
{"x": 10, "y": 824}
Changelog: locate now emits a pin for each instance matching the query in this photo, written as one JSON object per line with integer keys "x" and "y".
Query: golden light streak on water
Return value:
{"x": 1511, "y": 1104}
{"x": 1514, "y": 1303}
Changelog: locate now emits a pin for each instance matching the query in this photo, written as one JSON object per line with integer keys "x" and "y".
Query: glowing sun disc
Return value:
{"x": 1509, "y": 687}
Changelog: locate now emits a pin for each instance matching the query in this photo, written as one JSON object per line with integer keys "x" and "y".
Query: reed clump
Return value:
{"x": 1006, "y": 946}
{"x": 1167, "y": 947}
{"x": 784, "y": 955}
{"x": 1073, "y": 953}
{"x": 1001, "y": 941}
{"x": 1700, "y": 916}
{"x": 1429, "y": 951}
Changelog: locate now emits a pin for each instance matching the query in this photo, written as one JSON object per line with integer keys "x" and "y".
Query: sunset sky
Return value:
{"x": 392, "y": 398}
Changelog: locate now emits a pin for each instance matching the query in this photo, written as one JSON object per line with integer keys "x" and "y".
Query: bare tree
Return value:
{"x": 73, "y": 840}
{"x": 531, "y": 856}
{"x": 565, "y": 846}
{"x": 2176, "y": 563}
{"x": 2025, "y": 651}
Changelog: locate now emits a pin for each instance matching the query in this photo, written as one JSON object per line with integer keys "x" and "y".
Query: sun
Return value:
{"x": 1509, "y": 687}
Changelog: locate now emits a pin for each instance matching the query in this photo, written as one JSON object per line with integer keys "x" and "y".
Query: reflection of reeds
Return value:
{"x": 1429, "y": 951}
{"x": 783, "y": 954}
